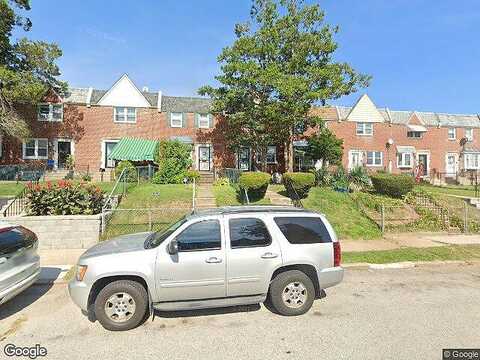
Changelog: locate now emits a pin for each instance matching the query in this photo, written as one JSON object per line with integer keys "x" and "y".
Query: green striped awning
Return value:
{"x": 134, "y": 150}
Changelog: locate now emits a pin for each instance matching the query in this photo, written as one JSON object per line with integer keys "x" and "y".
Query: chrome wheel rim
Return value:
{"x": 294, "y": 295}
{"x": 120, "y": 307}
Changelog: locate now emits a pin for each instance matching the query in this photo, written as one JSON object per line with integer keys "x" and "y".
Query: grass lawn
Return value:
{"x": 453, "y": 252}
{"x": 342, "y": 212}
{"x": 458, "y": 190}
{"x": 10, "y": 188}
{"x": 227, "y": 196}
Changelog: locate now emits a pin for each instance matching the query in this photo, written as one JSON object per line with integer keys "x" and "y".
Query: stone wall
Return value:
{"x": 62, "y": 232}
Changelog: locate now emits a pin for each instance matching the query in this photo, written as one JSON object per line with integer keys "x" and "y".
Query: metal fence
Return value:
{"x": 21, "y": 172}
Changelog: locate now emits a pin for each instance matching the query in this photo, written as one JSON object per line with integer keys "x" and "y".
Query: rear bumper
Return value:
{"x": 79, "y": 292}
{"x": 330, "y": 277}
{"x": 16, "y": 289}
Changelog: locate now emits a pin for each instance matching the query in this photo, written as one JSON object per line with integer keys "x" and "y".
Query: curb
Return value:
{"x": 407, "y": 264}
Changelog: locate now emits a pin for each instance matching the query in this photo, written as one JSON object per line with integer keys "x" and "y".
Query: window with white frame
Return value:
{"x": 469, "y": 134}
{"x": 472, "y": 161}
{"x": 35, "y": 149}
{"x": 124, "y": 114}
{"x": 365, "y": 129}
{"x": 452, "y": 133}
{"x": 176, "y": 120}
{"x": 414, "y": 134}
{"x": 374, "y": 158}
{"x": 203, "y": 121}
{"x": 50, "y": 112}
{"x": 405, "y": 160}
{"x": 271, "y": 155}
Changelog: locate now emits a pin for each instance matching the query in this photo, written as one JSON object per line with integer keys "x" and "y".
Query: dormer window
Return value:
{"x": 124, "y": 114}
{"x": 50, "y": 112}
{"x": 364, "y": 129}
{"x": 414, "y": 134}
{"x": 452, "y": 133}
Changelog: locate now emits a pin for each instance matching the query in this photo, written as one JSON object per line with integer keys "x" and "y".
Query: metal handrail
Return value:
{"x": 17, "y": 205}
{"x": 110, "y": 196}
{"x": 193, "y": 195}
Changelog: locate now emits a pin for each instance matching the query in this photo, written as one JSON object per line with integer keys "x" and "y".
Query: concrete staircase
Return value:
{"x": 204, "y": 197}
{"x": 54, "y": 175}
{"x": 206, "y": 177}
{"x": 277, "y": 199}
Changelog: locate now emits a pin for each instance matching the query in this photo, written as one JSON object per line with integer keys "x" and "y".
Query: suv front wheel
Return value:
{"x": 121, "y": 305}
{"x": 291, "y": 293}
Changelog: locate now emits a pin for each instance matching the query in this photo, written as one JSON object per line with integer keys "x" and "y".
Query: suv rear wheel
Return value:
{"x": 121, "y": 305}
{"x": 291, "y": 293}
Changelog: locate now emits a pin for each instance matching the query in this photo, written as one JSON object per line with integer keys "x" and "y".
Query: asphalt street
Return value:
{"x": 374, "y": 314}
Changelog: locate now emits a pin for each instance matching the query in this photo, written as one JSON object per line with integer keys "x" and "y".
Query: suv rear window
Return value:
{"x": 303, "y": 230}
{"x": 16, "y": 238}
{"x": 248, "y": 232}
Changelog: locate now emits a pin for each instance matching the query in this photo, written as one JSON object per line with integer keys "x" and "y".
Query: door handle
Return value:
{"x": 269, "y": 255}
{"x": 213, "y": 260}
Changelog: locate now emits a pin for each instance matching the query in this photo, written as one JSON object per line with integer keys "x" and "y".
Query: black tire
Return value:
{"x": 140, "y": 298}
{"x": 278, "y": 286}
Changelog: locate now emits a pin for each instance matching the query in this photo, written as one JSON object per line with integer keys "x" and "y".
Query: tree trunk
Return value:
{"x": 290, "y": 154}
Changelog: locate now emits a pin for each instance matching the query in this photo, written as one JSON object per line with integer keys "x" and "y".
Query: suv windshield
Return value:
{"x": 158, "y": 237}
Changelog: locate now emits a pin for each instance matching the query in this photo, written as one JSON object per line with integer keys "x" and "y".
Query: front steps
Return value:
{"x": 204, "y": 198}
{"x": 277, "y": 199}
{"x": 206, "y": 177}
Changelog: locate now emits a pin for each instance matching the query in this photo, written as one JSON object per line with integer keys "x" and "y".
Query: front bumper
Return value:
{"x": 330, "y": 277}
{"x": 79, "y": 292}
{"x": 16, "y": 289}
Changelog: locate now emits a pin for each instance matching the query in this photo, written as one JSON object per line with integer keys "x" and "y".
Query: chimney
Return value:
{"x": 145, "y": 89}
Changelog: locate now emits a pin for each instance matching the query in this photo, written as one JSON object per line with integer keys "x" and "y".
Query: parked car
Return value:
{"x": 19, "y": 261}
{"x": 281, "y": 256}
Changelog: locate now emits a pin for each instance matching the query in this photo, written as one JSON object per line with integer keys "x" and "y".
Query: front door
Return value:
{"x": 451, "y": 165}
{"x": 244, "y": 159}
{"x": 252, "y": 256}
{"x": 204, "y": 158}
{"x": 64, "y": 151}
{"x": 197, "y": 271}
{"x": 423, "y": 164}
{"x": 355, "y": 159}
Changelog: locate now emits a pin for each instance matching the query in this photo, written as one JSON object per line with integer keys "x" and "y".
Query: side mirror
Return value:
{"x": 172, "y": 247}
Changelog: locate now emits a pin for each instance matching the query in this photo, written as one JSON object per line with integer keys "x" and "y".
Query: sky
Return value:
{"x": 422, "y": 54}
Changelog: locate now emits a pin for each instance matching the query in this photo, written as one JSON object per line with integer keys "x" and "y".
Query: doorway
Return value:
{"x": 204, "y": 158}
{"x": 64, "y": 150}
{"x": 244, "y": 159}
{"x": 451, "y": 165}
{"x": 424, "y": 163}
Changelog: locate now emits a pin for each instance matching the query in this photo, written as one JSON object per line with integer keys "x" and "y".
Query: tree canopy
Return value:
{"x": 326, "y": 146}
{"x": 28, "y": 68}
{"x": 280, "y": 65}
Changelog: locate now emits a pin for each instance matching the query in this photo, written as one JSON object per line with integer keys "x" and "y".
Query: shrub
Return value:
{"x": 359, "y": 179}
{"x": 256, "y": 184}
{"x": 340, "y": 179}
{"x": 64, "y": 198}
{"x": 192, "y": 175}
{"x": 395, "y": 186}
{"x": 299, "y": 182}
{"x": 130, "y": 173}
{"x": 173, "y": 160}
{"x": 223, "y": 181}
{"x": 322, "y": 177}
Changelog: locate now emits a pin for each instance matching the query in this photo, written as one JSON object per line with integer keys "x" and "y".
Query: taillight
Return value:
{"x": 337, "y": 254}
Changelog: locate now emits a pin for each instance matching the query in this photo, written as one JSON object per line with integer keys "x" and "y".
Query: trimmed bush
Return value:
{"x": 299, "y": 182}
{"x": 256, "y": 184}
{"x": 223, "y": 181}
{"x": 131, "y": 173}
{"x": 173, "y": 160}
{"x": 395, "y": 186}
{"x": 192, "y": 175}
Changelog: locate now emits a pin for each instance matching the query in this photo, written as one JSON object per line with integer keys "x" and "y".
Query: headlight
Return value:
{"x": 80, "y": 273}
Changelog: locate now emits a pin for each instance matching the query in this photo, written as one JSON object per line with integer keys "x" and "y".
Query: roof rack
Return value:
{"x": 248, "y": 209}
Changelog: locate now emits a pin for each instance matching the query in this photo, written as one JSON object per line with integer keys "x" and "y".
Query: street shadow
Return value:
{"x": 207, "y": 312}
{"x": 31, "y": 294}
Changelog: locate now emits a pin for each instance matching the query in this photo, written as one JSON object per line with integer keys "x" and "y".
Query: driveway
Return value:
{"x": 382, "y": 314}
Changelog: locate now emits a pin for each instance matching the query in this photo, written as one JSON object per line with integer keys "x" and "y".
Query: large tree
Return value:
{"x": 28, "y": 68}
{"x": 280, "y": 65}
{"x": 326, "y": 146}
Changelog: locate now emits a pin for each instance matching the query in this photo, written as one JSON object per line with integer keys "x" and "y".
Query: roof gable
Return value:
{"x": 365, "y": 111}
{"x": 415, "y": 119}
{"x": 124, "y": 93}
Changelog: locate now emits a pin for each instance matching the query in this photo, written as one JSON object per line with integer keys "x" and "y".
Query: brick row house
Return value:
{"x": 87, "y": 123}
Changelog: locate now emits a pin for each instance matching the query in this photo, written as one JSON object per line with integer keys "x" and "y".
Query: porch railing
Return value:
{"x": 18, "y": 205}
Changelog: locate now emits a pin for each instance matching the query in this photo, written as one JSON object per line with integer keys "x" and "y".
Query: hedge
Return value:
{"x": 256, "y": 184}
{"x": 299, "y": 182}
{"x": 395, "y": 186}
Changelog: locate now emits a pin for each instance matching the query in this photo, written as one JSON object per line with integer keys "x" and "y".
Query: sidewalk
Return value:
{"x": 418, "y": 240}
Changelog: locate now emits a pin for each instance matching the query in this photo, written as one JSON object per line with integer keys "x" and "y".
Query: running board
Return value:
{"x": 209, "y": 303}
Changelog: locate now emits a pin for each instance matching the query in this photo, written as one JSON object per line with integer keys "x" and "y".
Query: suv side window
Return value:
{"x": 203, "y": 235}
{"x": 248, "y": 232}
{"x": 303, "y": 230}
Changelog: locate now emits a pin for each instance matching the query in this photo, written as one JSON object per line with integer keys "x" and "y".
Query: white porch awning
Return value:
{"x": 417, "y": 128}
{"x": 406, "y": 149}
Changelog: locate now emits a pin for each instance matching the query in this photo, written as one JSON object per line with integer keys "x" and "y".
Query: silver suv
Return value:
{"x": 283, "y": 257}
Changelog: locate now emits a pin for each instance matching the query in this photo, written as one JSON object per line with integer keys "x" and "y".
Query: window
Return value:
{"x": 15, "y": 239}
{"x": 35, "y": 149}
{"x": 374, "y": 158}
{"x": 365, "y": 129}
{"x": 203, "y": 235}
{"x": 414, "y": 134}
{"x": 124, "y": 114}
{"x": 303, "y": 230}
{"x": 176, "y": 120}
{"x": 271, "y": 155}
{"x": 203, "y": 121}
{"x": 472, "y": 161}
{"x": 50, "y": 112}
{"x": 404, "y": 160}
{"x": 469, "y": 134}
{"x": 248, "y": 233}
{"x": 452, "y": 133}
